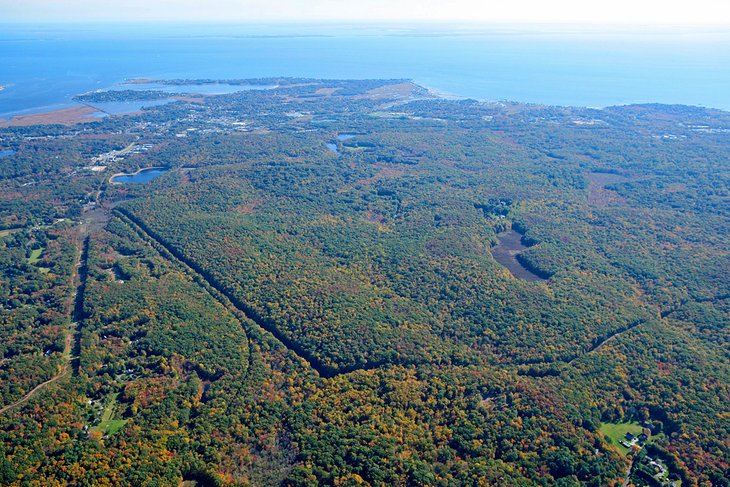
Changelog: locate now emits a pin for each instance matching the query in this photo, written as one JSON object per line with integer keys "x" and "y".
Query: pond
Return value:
{"x": 141, "y": 176}
{"x": 341, "y": 137}
{"x": 506, "y": 251}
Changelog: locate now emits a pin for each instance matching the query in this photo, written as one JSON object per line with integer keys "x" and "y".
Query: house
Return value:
{"x": 629, "y": 436}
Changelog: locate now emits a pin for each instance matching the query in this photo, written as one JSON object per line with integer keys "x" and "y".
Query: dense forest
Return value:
{"x": 310, "y": 293}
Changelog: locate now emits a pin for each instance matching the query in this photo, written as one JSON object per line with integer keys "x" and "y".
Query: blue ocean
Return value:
{"x": 42, "y": 67}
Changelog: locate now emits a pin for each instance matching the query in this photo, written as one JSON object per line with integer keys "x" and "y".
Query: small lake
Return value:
{"x": 506, "y": 251}
{"x": 6, "y": 153}
{"x": 141, "y": 176}
{"x": 341, "y": 137}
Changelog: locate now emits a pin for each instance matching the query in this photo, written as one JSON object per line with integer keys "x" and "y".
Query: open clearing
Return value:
{"x": 35, "y": 256}
{"x": 9, "y": 231}
{"x": 617, "y": 431}
{"x": 108, "y": 426}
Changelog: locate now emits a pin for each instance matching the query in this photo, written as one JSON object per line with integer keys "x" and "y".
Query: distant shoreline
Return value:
{"x": 548, "y": 64}
{"x": 67, "y": 113}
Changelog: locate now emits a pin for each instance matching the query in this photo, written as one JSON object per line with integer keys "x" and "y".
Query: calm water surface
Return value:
{"x": 123, "y": 107}
{"x": 202, "y": 89}
{"x": 43, "y": 67}
{"x": 506, "y": 251}
{"x": 143, "y": 176}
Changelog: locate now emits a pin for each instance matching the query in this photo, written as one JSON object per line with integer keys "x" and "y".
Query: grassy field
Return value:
{"x": 35, "y": 256}
{"x": 616, "y": 432}
{"x": 5, "y": 233}
{"x": 108, "y": 426}
{"x": 111, "y": 426}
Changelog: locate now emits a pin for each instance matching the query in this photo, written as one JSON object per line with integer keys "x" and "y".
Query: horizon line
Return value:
{"x": 724, "y": 24}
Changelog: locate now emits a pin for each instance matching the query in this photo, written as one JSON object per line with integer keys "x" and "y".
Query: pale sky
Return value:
{"x": 654, "y": 12}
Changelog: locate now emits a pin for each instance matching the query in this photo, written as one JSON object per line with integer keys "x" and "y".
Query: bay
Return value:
{"x": 43, "y": 67}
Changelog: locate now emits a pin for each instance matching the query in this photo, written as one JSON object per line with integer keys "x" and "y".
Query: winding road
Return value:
{"x": 68, "y": 349}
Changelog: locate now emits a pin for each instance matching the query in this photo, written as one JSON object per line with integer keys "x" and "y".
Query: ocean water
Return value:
{"x": 203, "y": 89}
{"x": 43, "y": 67}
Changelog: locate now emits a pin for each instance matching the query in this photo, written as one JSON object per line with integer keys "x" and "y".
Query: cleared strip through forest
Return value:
{"x": 601, "y": 342}
{"x": 597, "y": 345}
{"x": 36, "y": 389}
{"x": 229, "y": 301}
{"x": 164, "y": 253}
{"x": 77, "y": 313}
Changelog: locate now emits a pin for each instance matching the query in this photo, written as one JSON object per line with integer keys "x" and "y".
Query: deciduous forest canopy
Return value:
{"x": 339, "y": 282}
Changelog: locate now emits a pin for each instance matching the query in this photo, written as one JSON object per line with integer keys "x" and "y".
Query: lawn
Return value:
{"x": 35, "y": 256}
{"x": 616, "y": 432}
{"x": 108, "y": 426}
{"x": 5, "y": 233}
